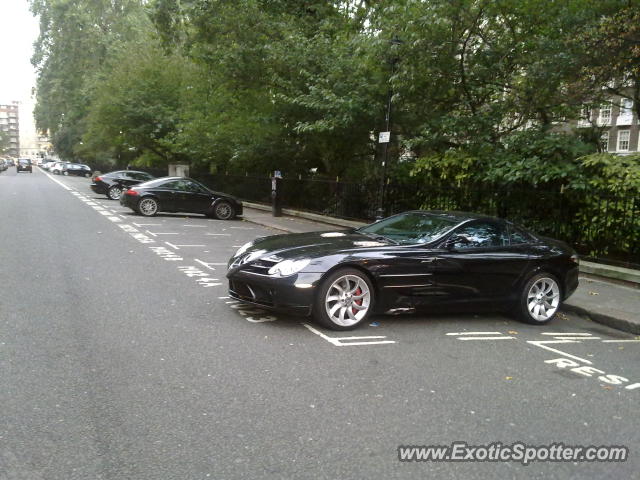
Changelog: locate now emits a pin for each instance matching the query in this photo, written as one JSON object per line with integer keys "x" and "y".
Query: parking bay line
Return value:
{"x": 155, "y": 234}
{"x": 487, "y": 338}
{"x": 620, "y": 341}
{"x": 343, "y": 341}
{"x": 474, "y": 333}
{"x": 177, "y": 247}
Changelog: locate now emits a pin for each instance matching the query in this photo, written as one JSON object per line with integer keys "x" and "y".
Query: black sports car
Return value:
{"x": 179, "y": 194}
{"x": 412, "y": 261}
{"x": 113, "y": 184}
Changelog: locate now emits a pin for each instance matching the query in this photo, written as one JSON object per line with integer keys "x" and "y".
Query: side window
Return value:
{"x": 482, "y": 235}
{"x": 174, "y": 185}
{"x": 518, "y": 236}
{"x": 192, "y": 187}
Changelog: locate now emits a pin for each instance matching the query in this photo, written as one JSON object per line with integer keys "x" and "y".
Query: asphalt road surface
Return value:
{"x": 121, "y": 357}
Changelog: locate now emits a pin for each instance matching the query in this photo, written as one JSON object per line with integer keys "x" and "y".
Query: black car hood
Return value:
{"x": 314, "y": 244}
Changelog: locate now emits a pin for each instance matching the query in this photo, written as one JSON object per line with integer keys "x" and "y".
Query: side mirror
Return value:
{"x": 454, "y": 240}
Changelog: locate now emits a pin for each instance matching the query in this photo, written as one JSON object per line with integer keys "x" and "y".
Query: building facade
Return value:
{"x": 10, "y": 123}
{"x": 618, "y": 123}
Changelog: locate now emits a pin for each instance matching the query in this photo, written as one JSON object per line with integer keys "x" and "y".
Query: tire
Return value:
{"x": 65, "y": 173}
{"x": 337, "y": 311}
{"x": 148, "y": 206}
{"x": 223, "y": 210}
{"x": 114, "y": 192}
{"x": 540, "y": 299}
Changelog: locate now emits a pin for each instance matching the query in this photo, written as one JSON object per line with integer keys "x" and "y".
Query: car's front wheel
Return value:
{"x": 223, "y": 210}
{"x": 344, "y": 300}
{"x": 148, "y": 207}
{"x": 114, "y": 192}
{"x": 540, "y": 299}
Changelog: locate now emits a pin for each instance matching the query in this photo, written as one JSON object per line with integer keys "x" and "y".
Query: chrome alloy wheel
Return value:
{"x": 148, "y": 206}
{"x": 347, "y": 300}
{"x": 543, "y": 299}
{"x": 224, "y": 211}
{"x": 114, "y": 193}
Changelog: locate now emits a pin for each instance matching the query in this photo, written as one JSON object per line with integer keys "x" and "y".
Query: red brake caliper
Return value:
{"x": 358, "y": 301}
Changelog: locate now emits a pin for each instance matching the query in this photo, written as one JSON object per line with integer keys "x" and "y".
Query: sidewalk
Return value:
{"x": 614, "y": 304}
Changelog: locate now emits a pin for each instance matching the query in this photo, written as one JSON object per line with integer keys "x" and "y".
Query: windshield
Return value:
{"x": 412, "y": 227}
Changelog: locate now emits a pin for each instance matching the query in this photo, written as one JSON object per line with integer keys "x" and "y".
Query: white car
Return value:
{"x": 48, "y": 164}
{"x": 58, "y": 168}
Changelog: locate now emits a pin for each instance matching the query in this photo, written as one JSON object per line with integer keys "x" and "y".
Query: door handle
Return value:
{"x": 429, "y": 260}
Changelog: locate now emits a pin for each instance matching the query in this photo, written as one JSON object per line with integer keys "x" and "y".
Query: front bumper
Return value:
{"x": 571, "y": 282}
{"x": 293, "y": 295}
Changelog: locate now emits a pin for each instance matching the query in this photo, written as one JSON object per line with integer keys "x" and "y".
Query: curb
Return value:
{"x": 309, "y": 216}
{"x": 267, "y": 224}
{"x": 608, "y": 320}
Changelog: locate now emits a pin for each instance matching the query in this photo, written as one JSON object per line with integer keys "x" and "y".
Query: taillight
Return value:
{"x": 97, "y": 179}
{"x": 131, "y": 191}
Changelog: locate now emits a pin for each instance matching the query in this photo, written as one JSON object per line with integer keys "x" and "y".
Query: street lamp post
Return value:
{"x": 386, "y": 138}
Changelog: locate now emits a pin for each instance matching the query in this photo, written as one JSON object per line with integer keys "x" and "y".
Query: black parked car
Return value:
{"x": 412, "y": 261}
{"x": 24, "y": 165}
{"x": 179, "y": 194}
{"x": 78, "y": 169}
{"x": 112, "y": 184}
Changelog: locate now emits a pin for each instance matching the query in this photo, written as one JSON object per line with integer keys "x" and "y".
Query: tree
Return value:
{"x": 75, "y": 40}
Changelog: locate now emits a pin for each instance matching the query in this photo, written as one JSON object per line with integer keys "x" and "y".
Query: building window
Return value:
{"x": 604, "y": 141}
{"x": 605, "y": 114}
{"x": 623, "y": 141}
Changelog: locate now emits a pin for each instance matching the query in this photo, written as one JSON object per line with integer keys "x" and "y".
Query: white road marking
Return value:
{"x": 205, "y": 264}
{"x": 195, "y": 226}
{"x": 338, "y": 341}
{"x": 59, "y": 182}
{"x": 177, "y": 247}
{"x": 543, "y": 344}
{"x": 474, "y": 333}
{"x": 242, "y": 228}
{"x": 105, "y": 213}
{"x": 155, "y": 234}
{"x": 218, "y": 234}
{"x": 114, "y": 219}
{"x": 620, "y": 341}
{"x": 223, "y": 298}
{"x": 145, "y": 224}
{"x": 486, "y": 338}
{"x": 577, "y": 338}
{"x": 563, "y": 334}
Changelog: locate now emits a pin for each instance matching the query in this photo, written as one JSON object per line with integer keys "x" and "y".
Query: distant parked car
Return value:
{"x": 112, "y": 184}
{"x": 3, "y": 164}
{"x": 78, "y": 169}
{"x": 57, "y": 168}
{"x": 24, "y": 165}
{"x": 178, "y": 194}
{"x": 48, "y": 164}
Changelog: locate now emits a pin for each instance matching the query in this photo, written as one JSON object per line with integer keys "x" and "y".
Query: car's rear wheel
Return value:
{"x": 540, "y": 299}
{"x": 114, "y": 192}
{"x": 223, "y": 210}
{"x": 148, "y": 207}
{"x": 344, "y": 300}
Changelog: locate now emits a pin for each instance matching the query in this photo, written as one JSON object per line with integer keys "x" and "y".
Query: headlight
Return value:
{"x": 243, "y": 249}
{"x": 288, "y": 267}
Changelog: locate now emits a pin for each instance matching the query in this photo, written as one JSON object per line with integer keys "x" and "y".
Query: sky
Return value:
{"x": 18, "y": 30}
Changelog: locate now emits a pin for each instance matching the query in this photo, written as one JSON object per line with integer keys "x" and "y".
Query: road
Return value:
{"x": 121, "y": 357}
